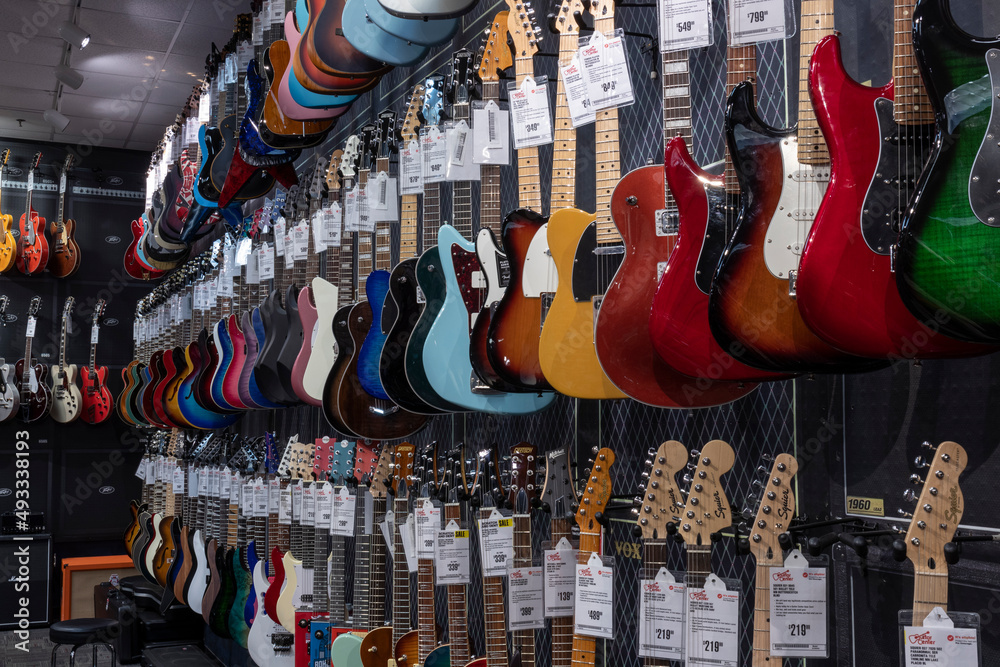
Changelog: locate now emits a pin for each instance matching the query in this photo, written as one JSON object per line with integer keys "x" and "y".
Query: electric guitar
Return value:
{"x": 297, "y": 564}
{"x": 66, "y": 399}
{"x": 8, "y": 244}
{"x": 523, "y": 493}
{"x": 32, "y": 246}
{"x": 783, "y": 175}
{"x": 774, "y": 515}
{"x": 35, "y": 395}
{"x": 93, "y": 378}
{"x": 64, "y": 259}
{"x": 705, "y": 510}
{"x": 559, "y": 497}
{"x": 492, "y": 494}
{"x": 944, "y": 265}
{"x": 10, "y": 398}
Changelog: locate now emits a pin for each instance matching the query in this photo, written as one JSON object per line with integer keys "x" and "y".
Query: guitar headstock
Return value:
{"x": 939, "y": 508}
{"x": 365, "y": 459}
{"x": 462, "y": 78}
{"x": 297, "y": 461}
{"x": 495, "y": 54}
{"x": 602, "y": 9}
{"x": 98, "y": 311}
{"x": 489, "y": 483}
{"x": 707, "y": 509}
{"x": 333, "y": 459}
{"x": 774, "y": 512}
{"x": 4, "y": 156}
{"x": 559, "y": 493}
{"x": 426, "y": 475}
{"x": 597, "y": 491}
{"x": 523, "y": 473}
{"x": 4, "y": 302}
{"x": 350, "y": 155}
{"x": 318, "y": 177}
{"x": 369, "y": 147}
{"x": 35, "y": 161}
{"x": 36, "y": 303}
{"x": 68, "y": 307}
{"x": 68, "y": 163}
{"x": 433, "y": 106}
{"x": 386, "y": 134}
{"x": 381, "y": 479}
{"x": 271, "y": 456}
{"x": 522, "y": 28}
{"x": 333, "y": 170}
{"x": 411, "y": 122}
{"x": 402, "y": 468}
{"x": 564, "y": 20}
{"x": 661, "y": 501}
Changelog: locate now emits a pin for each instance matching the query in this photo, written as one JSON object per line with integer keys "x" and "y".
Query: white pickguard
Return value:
{"x": 540, "y": 273}
{"x": 324, "y": 349}
{"x": 487, "y": 251}
{"x": 802, "y": 190}
{"x": 199, "y": 578}
{"x": 156, "y": 542}
{"x": 66, "y": 401}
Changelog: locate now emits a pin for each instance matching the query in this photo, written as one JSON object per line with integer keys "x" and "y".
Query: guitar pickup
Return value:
{"x": 667, "y": 222}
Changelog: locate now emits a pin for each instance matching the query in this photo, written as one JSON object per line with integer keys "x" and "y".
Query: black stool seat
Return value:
{"x": 81, "y": 631}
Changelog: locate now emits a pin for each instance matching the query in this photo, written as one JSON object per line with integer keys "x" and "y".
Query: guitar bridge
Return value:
{"x": 547, "y": 298}
{"x": 792, "y": 283}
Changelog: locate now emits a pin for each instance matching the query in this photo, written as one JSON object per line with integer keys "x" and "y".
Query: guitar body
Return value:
{"x": 339, "y": 373}
{"x": 368, "y": 38}
{"x": 304, "y": 86}
{"x": 284, "y": 606}
{"x": 226, "y": 596}
{"x": 191, "y": 408}
{"x": 197, "y": 582}
{"x": 276, "y": 128}
{"x": 496, "y": 273}
{"x": 214, "y": 584}
{"x": 32, "y": 257}
{"x": 231, "y": 379}
{"x": 253, "y": 327}
{"x": 224, "y": 354}
{"x": 34, "y": 404}
{"x": 163, "y": 559}
{"x": 292, "y": 344}
{"x": 144, "y": 394}
{"x": 267, "y": 642}
{"x": 153, "y": 547}
{"x": 517, "y": 320}
{"x": 205, "y": 193}
{"x": 406, "y": 651}
{"x": 439, "y": 657}
{"x": 750, "y": 310}
{"x": 67, "y": 402}
{"x": 133, "y": 267}
{"x": 427, "y": 32}
{"x": 237, "y": 624}
{"x": 346, "y": 650}
{"x": 678, "y": 323}
{"x": 8, "y": 244}
{"x": 163, "y": 369}
{"x": 566, "y": 350}
{"x": 256, "y": 185}
{"x": 139, "y": 548}
{"x": 377, "y": 649}
{"x": 165, "y": 394}
{"x": 946, "y": 269}
{"x": 134, "y": 527}
{"x": 65, "y": 258}
{"x": 95, "y": 392}
{"x": 370, "y": 353}
{"x": 446, "y": 359}
{"x": 327, "y": 48}
{"x": 183, "y": 572}
{"x": 275, "y": 320}
{"x": 176, "y": 536}
{"x": 10, "y": 399}
{"x": 307, "y": 323}
{"x": 324, "y": 345}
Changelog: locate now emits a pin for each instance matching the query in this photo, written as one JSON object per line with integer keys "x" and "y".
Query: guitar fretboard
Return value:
{"x": 606, "y": 147}
{"x": 817, "y": 23}
{"x": 432, "y": 215}
{"x": 524, "y": 640}
{"x": 528, "y": 177}
{"x": 494, "y": 617}
{"x": 458, "y": 631}
{"x": 741, "y": 65}
{"x": 911, "y": 106}
{"x": 400, "y": 575}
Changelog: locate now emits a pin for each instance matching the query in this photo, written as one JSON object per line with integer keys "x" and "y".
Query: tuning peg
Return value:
{"x": 602, "y": 519}
{"x": 747, "y": 513}
{"x": 687, "y": 478}
{"x": 926, "y": 445}
{"x": 921, "y": 462}
{"x": 904, "y": 514}
{"x": 767, "y": 457}
{"x": 909, "y": 496}
{"x": 916, "y": 479}
{"x": 695, "y": 453}
{"x": 761, "y": 470}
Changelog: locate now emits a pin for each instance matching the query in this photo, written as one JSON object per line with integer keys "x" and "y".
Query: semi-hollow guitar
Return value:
{"x": 93, "y": 378}
{"x": 8, "y": 244}
{"x": 64, "y": 257}
{"x": 66, "y": 399}
{"x": 35, "y": 395}
{"x": 32, "y": 246}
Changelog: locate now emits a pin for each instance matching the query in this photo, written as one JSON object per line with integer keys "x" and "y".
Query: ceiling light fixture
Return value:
{"x": 74, "y": 34}
{"x": 69, "y": 76}
{"x": 55, "y": 119}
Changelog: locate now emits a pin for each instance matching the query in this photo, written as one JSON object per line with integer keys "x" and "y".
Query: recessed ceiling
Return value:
{"x": 144, "y": 59}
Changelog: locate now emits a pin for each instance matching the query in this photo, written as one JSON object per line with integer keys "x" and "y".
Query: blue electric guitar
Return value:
{"x": 367, "y": 37}
{"x": 428, "y": 33}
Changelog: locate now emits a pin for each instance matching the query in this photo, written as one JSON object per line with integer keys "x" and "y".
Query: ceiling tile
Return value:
{"x": 171, "y": 92}
{"x": 132, "y": 89}
{"x": 145, "y": 136}
{"x": 221, "y": 13}
{"x": 98, "y": 107}
{"x": 97, "y": 130}
{"x": 37, "y": 50}
{"x": 159, "y": 114}
{"x": 27, "y": 20}
{"x": 32, "y": 123}
{"x": 196, "y": 40}
{"x": 127, "y": 31}
{"x": 154, "y": 9}
{"x": 115, "y": 60}
{"x": 27, "y": 75}
{"x": 37, "y": 100}
{"x": 184, "y": 69}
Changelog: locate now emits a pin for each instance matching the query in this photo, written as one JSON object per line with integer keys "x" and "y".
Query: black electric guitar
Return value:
{"x": 36, "y": 397}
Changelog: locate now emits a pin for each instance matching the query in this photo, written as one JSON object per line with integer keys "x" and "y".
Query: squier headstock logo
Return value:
{"x": 785, "y": 510}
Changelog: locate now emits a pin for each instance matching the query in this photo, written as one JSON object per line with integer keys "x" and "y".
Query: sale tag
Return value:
{"x": 344, "y": 504}
{"x": 939, "y": 643}
{"x": 577, "y": 95}
{"x": 685, "y": 24}
{"x": 406, "y": 535}
{"x": 560, "y": 580}
{"x": 713, "y": 624}
{"x": 452, "y": 555}
{"x": 434, "y": 151}
{"x": 279, "y": 237}
{"x": 411, "y": 168}
{"x": 331, "y": 228}
{"x": 595, "y": 596}
{"x": 428, "y": 524}
{"x": 324, "y": 506}
{"x": 351, "y": 209}
{"x": 753, "y": 21}
{"x": 525, "y": 599}
{"x": 798, "y": 609}
{"x": 530, "y": 117}
{"x": 605, "y": 68}
{"x": 490, "y": 135}
{"x": 661, "y": 617}
{"x": 461, "y": 167}
{"x": 496, "y": 541}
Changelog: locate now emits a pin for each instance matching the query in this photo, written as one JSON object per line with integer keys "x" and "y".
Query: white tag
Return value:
{"x": 661, "y": 617}
{"x": 297, "y": 501}
{"x": 285, "y": 507}
{"x": 524, "y": 599}
{"x": 351, "y": 209}
{"x": 411, "y": 167}
{"x": 560, "y": 580}
{"x": 246, "y": 501}
{"x": 595, "y": 598}
{"x": 279, "y": 237}
{"x": 308, "y": 517}
{"x": 753, "y": 21}
{"x": 203, "y": 476}
{"x": 225, "y": 483}
{"x": 204, "y": 108}
{"x": 530, "y": 116}
{"x": 252, "y": 275}
{"x": 713, "y": 624}
{"x": 94, "y": 331}
{"x": 386, "y": 528}
{"x": 265, "y": 261}
{"x": 258, "y": 30}
{"x": 178, "y": 481}
{"x": 383, "y": 201}
{"x": 273, "y": 496}
{"x": 300, "y": 241}
{"x": 457, "y": 150}
{"x": 939, "y": 643}
{"x": 318, "y": 225}
{"x": 461, "y": 168}
{"x": 324, "y": 506}
{"x": 605, "y": 69}
{"x": 428, "y": 523}
{"x": 496, "y": 540}
{"x": 577, "y": 97}
{"x": 434, "y": 151}
{"x": 366, "y": 223}
{"x": 798, "y": 609}
{"x": 452, "y": 555}
{"x": 244, "y": 53}
{"x": 331, "y": 228}
{"x": 277, "y": 11}
{"x": 685, "y": 24}
{"x": 193, "y": 481}
{"x": 344, "y": 504}
{"x": 235, "y": 489}
{"x": 261, "y": 499}
{"x": 289, "y": 246}
{"x": 409, "y": 547}
{"x": 140, "y": 471}
{"x": 31, "y": 327}
{"x": 490, "y": 135}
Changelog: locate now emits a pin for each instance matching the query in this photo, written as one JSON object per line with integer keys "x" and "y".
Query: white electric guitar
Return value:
{"x": 67, "y": 401}
{"x": 10, "y": 398}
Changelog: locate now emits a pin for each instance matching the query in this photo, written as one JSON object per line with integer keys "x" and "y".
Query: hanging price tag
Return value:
{"x": 661, "y": 617}
{"x": 285, "y": 507}
{"x": 178, "y": 481}
{"x": 204, "y": 108}
{"x": 713, "y": 623}
{"x": 289, "y": 246}
{"x": 318, "y": 225}
{"x": 456, "y": 150}
{"x": 685, "y": 24}
{"x": 252, "y": 274}
{"x": 300, "y": 241}
{"x": 258, "y": 30}
{"x": 386, "y": 528}
{"x": 411, "y": 168}
{"x": 524, "y": 599}
{"x": 351, "y": 209}
{"x": 428, "y": 519}
{"x": 193, "y": 482}
{"x": 383, "y": 200}
{"x": 605, "y": 68}
{"x": 344, "y": 504}
{"x": 461, "y": 166}
{"x": 273, "y": 496}
{"x": 366, "y": 223}
{"x": 279, "y": 237}
{"x": 452, "y": 555}
{"x": 577, "y": 94}
{"x": 277, "y": 11}
{"x": 939, "y": 643}
{"x": 261, "y": 498}
{"x": 754, "y": 21}
{"x": 265, "y": 260}
{"x": 496, "y": 541}
{"x": 406, "y": 535}
{"x": 798, "y": 609}
{"x": 490, "y": 135}
{"x": 308, "y": 516}
{"x": 595, "y": 597}
{"x": 324, "y": 506}
{"x": 246, "y": 500}
{"x": 434, "y": 151}
{"x": 560, "y": 580}
{"x": 297, "y": 489}
{"x": 332, "y": 226}
{"x": 225, "y": 483}
{"x": 30, "y": 330}
{"x": 530, "y": 116}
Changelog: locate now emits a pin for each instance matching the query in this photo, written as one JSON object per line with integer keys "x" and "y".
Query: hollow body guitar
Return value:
{"x": 32, "y": 246}
{"x": 8, "y": 244}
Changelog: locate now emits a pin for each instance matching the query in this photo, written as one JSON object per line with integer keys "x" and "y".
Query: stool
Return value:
{"x": 81, "y": 631}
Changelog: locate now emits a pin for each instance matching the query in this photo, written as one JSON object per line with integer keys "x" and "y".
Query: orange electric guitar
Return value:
{"x": 65, "y": 259}
{"x": 8, "y": 246}
{"x": 32, "y": 246}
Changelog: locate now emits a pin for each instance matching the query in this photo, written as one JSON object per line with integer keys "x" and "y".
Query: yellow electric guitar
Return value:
{"x": 296, "y": 567}
{"x": 8, "y": 246}
{"x": 586, "y": 251}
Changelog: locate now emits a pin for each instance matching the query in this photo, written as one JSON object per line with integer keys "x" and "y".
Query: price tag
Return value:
{"x": 204, "y": 108}
{"x": 289, "y": 246}
{"x": 577, "y": 98}
{"x": 411, "y": 168}
{"x": 244, "y": 53}
{"x": 595, "y": 597}
{"x": 252, "y": 275}
{"x": 461, "y": 167}
{"x": 273, "y": 496}
{"x": 685, "y": 24}
{"x": 713, "y": 623}
{"x": 939, "y": 643}
{"x": 452, "y": 555}
{"x": 309, "y": 504}
{"x": 31, "y": 327}
{"x": 178, "y": 481}
{"x": 258, "y": 30}
{"x": 193, "y": 482}
{"x": 406, "y": 535}
{"x": 277, "y": 11}
{"x": 530, "y": 116}
{"x": 366, "y": 223}
{"x": 246, "y": 501}
{"x": 383, "y": 202}
{"x": 94, "y": 332}
{"x": 560, "y": 580}
{"x": 297, "y": 501}
{"x": 285, "y": 507}
{"x": 259, "y": 499}
{"x": 605, "y": 69}
{"x": 798, "y": 609}
{"x": 324, "y": 506}
{"x": 490, "y": 135}
{"x": 753, "y": 21}
{"x": 265, "y": 261}
{"x": 524, "y": 599}
{"x": 203, "y": 478}
{"x": 351, "y": 209}
{"x": 225, "y": 483}
{"x": 318, "y": 225}
{"x": 661, "y": 617}
{"x": 279, "y": 237}
{"x": 428, "y": 524}
{"x": 496, "y": 541}
{"x": 140, "y": 471}
{"x": 344, "y": 504}
{"x": 331, "y": 229}
{"x": 434, "y": 151}
{"x": 300, "y": 241}
{"x": 386, "y": 527}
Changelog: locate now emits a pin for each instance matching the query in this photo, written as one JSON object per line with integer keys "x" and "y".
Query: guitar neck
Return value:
{"x": 361, "y": 567}
{"x": 563, "y": 193}
{"x": 562, "y": 628}
{"x": 376, "y": 568}
{"x": 762, "y": 614}
{"x": 528, "y": 177}
{"x": 461, "y": 193}
{"x": 817, "y": 23}
{"x": 654, "y": 556}
{"x": 585, "y": 648}
{"x": 608, "y": 154}
{"x": 458, "y": 629}
{"x": 400, "y": 575}
{"x": 523, "y": 639}
{"x": 494, "y": 616}
{"x": 489, "y": 174}
{"x": 426, "y": 632}
{"x": 337, "y": 603}
{"x": 432, "y": 214}
{"x": 930, "y": 590}
{"x": 741, "y": 65}
{"x": 911, "y": 106}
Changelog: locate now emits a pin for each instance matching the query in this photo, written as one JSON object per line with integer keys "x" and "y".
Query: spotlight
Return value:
{"x": 69, "y": 76}
{"x": 74, "y": 34}
{"x": 55, "y": 119}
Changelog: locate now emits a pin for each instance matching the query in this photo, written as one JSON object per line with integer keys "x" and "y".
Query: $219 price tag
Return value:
{"x": 713, "y": 621}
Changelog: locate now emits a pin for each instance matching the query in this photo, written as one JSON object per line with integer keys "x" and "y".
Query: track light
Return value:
{"x": 55, "y": 119}
{"x": 69, "y": 76}
{"x": 74, "y": 34}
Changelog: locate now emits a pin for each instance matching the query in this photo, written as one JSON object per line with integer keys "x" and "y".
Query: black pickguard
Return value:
{"x": 594, "y": 266}
{"x": 722, "y": 210}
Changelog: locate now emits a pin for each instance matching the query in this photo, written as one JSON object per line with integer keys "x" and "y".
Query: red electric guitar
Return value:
{"x": 96, "y": 396}
{"x": 32, "y": 246}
